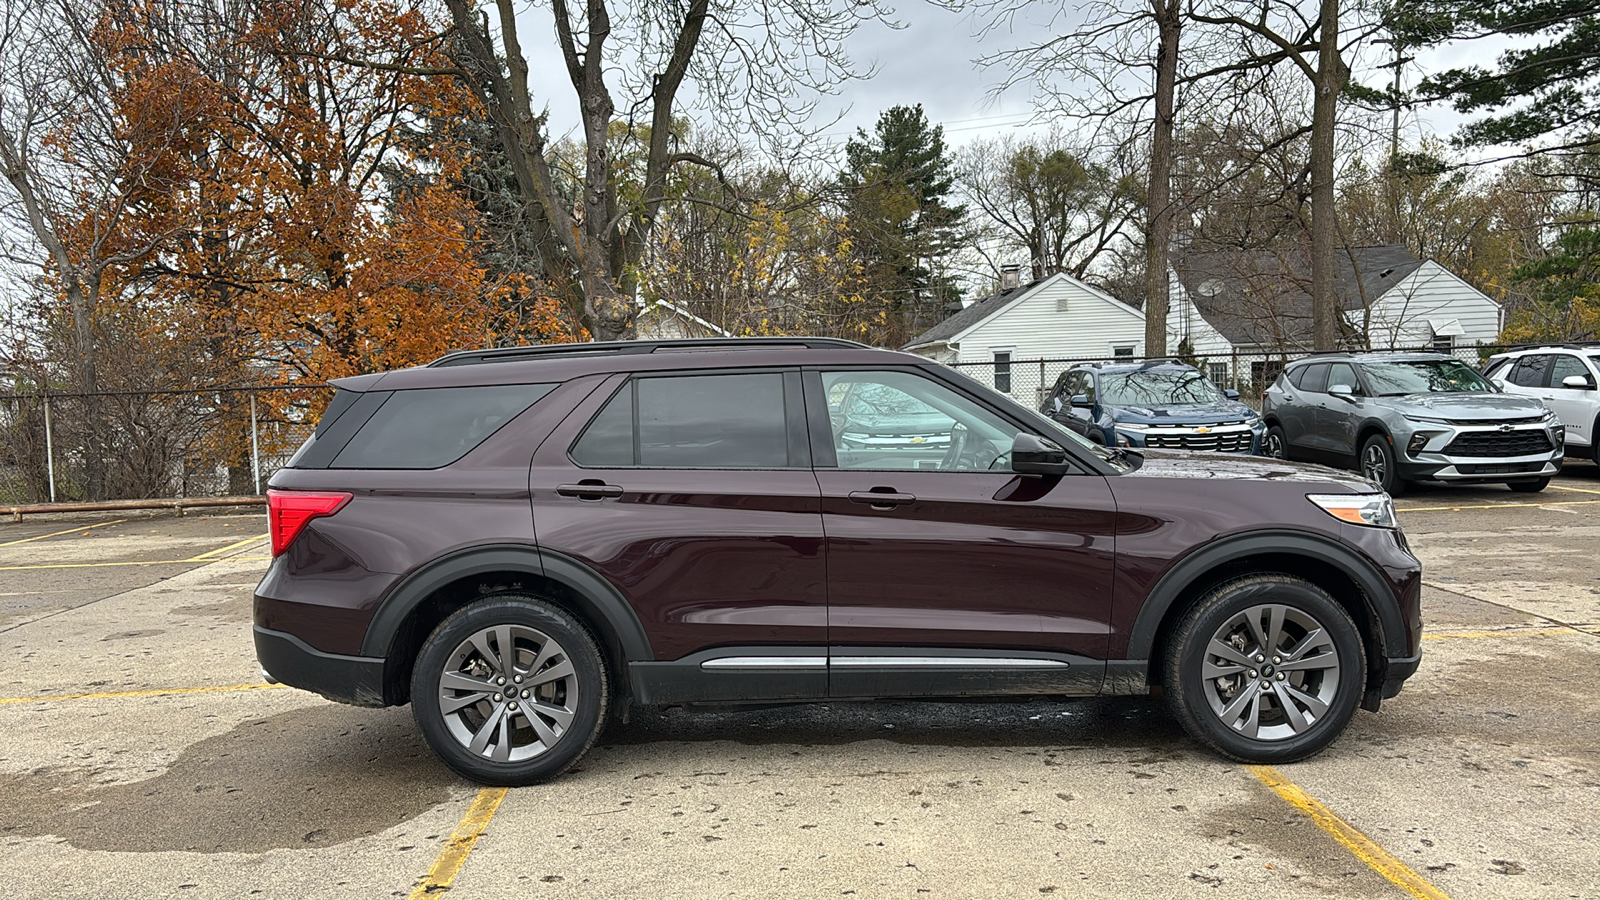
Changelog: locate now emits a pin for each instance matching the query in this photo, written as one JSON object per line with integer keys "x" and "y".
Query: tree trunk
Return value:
{"x": 1329, "y": 81}
{"x": 1158, "y": 234}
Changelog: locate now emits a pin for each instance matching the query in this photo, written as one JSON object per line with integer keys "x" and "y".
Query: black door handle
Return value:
{"x": 590, "y": 489}
{"x": 881, "y": 499}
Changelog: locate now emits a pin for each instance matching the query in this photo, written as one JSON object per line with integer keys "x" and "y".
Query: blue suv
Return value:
{"x": 1157, "y": 403}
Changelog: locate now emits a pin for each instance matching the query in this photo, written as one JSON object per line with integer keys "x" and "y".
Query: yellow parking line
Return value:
{"x": 1493, "y": 506}
{"x": 1379, "y": 859}
{"x": 157, "y": 692}
{"x": 41, "y": 537}
{"x": 460, "y": 844}
{"x": 1505, "y": 632}
{"x": 1562, "y": 487}
{"x": 233, "y": 546}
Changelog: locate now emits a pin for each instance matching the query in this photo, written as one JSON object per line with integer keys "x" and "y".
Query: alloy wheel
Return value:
{"x": 1374, "y": 464}
{"x": 1270, "y": 672}
{"x": 508, "y": 693}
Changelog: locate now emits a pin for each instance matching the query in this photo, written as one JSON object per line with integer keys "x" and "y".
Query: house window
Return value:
{"x": 1218, "y": 372}
{"x": 1123, "y": 350}
{"x": 1002, "y": 371}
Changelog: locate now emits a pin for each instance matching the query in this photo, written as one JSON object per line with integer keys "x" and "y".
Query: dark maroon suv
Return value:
{"x": 522, "y": 542}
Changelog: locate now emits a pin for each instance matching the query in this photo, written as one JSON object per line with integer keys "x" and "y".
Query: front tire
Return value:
{"x": 1529, "y": 487}
{"x": 1378, "y": 465}
{"x": 510, "y": 690}
{"x": 1265, "y": 669}
{"x": 1275, "y": 445}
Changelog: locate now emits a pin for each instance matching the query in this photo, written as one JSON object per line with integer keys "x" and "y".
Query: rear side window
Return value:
{"x": 426, "y": 429}
{"x": 1530, "y": 370}
{"x": 691, "y": 422}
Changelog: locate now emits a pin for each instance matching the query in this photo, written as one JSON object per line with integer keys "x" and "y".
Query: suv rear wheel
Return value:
{"x": 1265, "y": 669}
{"x": 509, "y": 690}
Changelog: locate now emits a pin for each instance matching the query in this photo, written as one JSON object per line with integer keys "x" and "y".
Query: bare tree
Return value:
{"x": 752, "y": 60}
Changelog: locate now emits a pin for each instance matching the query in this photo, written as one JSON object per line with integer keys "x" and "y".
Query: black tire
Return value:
{"x": 1529, "y": 487}
{"x": 1198, "y": 678}
{"x": 1384, "y": 473}
{"x": 526, "y": 735}
{"x": 1276, "y": 446}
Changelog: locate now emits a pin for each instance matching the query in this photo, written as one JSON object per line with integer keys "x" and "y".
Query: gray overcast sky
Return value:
{"x": 929, "y": 61}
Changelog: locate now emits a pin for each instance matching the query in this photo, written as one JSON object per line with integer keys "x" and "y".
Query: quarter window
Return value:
{"x": 690, "y": 422}
{"x": 426, "y": 429}
{"x": 1530, "y": 370}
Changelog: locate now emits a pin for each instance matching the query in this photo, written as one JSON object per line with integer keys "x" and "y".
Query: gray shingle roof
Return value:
{"x": 972, "y": 315}
{"x": 1263, "y": 297}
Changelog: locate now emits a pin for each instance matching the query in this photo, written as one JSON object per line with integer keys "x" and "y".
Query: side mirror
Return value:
{"x": 1231, "y": 394}
{"x": 1343, "y": 392}
{"x": 1034, "y": 455}
{"x": 1081, "y": 401}
{"x": 1577, "y": 383}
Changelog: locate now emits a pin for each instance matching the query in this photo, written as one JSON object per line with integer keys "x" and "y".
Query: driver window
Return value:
{"x": 897, "y": 420}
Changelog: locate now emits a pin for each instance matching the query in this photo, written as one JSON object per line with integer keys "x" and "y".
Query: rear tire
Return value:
{"x": 1529, "y": 487}
{"x": 1377, "y": 465}
{"x": 510, "y": 690}
{"x": 1265, "y": 669}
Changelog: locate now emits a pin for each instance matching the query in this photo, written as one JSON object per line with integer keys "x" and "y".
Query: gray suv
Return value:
{"x": 1399, "y": 417}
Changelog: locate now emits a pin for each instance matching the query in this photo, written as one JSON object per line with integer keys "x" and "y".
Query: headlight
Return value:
{"x": 1132, "y": 427}
{"x": 1376, "y": 510}
{"x": 1430, "y": 421}
{"x": 1549, "y": 416}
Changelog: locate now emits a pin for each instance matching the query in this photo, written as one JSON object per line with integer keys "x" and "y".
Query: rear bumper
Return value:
{"x": 357, "y": 680}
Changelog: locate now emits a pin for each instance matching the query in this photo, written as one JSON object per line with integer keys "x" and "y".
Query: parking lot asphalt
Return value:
{"x": 143, "y": 757}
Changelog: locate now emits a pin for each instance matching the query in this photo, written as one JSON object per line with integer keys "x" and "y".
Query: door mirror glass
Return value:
{"x": 1034, "y": 455}
{"x": 1231, "y": 394}
{"x": 1577, "y": 383}
{"x": 1081, "y": 401}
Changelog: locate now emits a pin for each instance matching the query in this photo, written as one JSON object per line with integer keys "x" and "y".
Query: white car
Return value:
{"x": 1564, "y": 377}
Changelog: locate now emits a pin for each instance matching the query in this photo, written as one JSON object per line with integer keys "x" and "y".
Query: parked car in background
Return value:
{"x": 522, "y": 542}
{"x": 1158, "y": 403}
{"x": 1401, "y": 417}
{"x": 1563, "y": 378}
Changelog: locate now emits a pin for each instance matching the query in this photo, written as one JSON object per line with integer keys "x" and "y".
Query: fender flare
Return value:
{"x": 597, "y": 598}
{"x": 1146, "y": 626}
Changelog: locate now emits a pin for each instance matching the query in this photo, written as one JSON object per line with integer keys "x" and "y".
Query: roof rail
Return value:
{"x": 1551, "y": 345}
{"x": 545, "y": 351}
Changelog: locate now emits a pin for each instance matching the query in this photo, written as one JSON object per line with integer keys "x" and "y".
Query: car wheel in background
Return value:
{"x": 1529, "y": 487}
{"x": 1265, "y": 669}
{"x": 1274, "y": 445}
{"x": 1377, "y": 465}
{"x": 509, "y": 690}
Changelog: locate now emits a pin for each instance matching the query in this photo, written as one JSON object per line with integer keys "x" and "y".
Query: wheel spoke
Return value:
{"x": 1313, "y": 639}
{"x": 508, "y": 650}
{"x": 547, "y": 735}
{"x": 1316, "y": 662}
{"x": 480, "y": 642}
{"x": 448, "y": 705}
{"x": 1316, "y": 705}
{"x": 1291, "y": 708}
{"x": 1210, "y": 670}
{"x": 561, "y": 715}
{"x": 1275, "y": 616}
{"x": 1252, "y": 617}
{"x": 546, "y": 651}
{"x": 461, "y": 681}
{"x": 1230, "y": 714}
{"x": 502, "y": 745}
{"x": 562, "y": 669}
{"x": 480, "y": 738}
{"x": 1227, "y": 651}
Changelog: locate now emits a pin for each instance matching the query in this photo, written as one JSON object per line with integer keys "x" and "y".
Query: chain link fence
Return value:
{"x": 1029, "y": 381}
{"x": 155, "y": 444}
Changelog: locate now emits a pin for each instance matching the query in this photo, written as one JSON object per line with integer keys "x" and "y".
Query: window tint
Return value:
{"x": 1297, "y": 375}
{"x": 426, "y": 429}
{"x": 1315, "y": 379}
{"x": 1566, "y": 366}
{"x": 1529, "y": 370}
{"x": 691, "y": 422}
{"x": 912, "y": 423}
{"x": 1345, "y": 374}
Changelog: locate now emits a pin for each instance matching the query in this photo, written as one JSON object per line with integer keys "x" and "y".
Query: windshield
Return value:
{"x": 1157, "y": 388}
{"x": 1423, "y": 376}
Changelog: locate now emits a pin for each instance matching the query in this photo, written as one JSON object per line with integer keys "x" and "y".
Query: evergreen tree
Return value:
{"x": 897, "y": 183}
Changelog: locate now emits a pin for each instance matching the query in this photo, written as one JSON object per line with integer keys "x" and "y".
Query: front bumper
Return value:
{"x": 357, "y": 680}
{"x": 1439, "y": 458}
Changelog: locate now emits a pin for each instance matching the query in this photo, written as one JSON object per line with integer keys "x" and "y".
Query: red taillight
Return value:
{"x": 289, "y": 511}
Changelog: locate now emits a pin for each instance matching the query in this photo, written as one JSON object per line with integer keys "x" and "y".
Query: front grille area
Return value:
{"x": 1503, "y": 469}
{"x": 1529, "y": 420}
{"x": 1224, "y": 441}
{"x": 1499, "y": 443}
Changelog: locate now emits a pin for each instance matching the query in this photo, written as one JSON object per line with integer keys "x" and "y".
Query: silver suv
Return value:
{"x": 1562, "y": 376}
{"x": 1399, "y": 417}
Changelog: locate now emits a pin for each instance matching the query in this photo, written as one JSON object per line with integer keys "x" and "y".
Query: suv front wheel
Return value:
{"x": 509, "y": 690}
{"x": 1265, "y": 669}
{"x": 1378, "y": 465}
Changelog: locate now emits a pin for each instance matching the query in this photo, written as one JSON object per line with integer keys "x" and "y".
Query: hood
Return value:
{"x": 1185, "y": 464}
{"x": 898, "y": 423}
{"x": 1464, "y": 405}
{"x": 1182, "y": 413}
